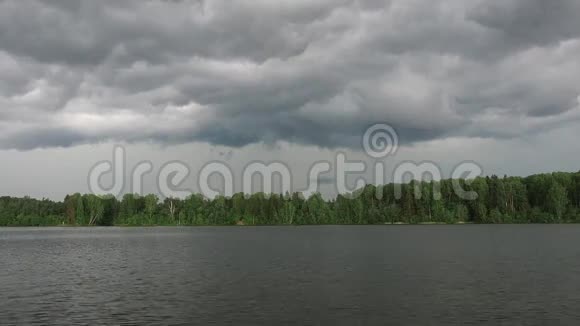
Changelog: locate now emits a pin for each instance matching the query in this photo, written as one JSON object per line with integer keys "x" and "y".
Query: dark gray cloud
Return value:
{"x": 309, "y": 72}
{"x": 530, "y": 22}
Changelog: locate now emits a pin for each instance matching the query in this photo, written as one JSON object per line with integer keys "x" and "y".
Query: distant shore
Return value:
{"x": 539, "y": 199}
{"x": 274, "y": 225}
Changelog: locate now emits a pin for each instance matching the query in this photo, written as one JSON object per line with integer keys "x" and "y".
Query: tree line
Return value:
{"x": 542, "y": 198}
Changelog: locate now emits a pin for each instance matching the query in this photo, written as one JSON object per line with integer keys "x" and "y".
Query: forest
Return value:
{"x": 542, "y": 198}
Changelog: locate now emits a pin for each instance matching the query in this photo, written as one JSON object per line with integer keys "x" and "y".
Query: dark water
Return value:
{"x": 392, "y": 275}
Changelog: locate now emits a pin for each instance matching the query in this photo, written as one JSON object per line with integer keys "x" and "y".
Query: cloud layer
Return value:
{"x": 301, "y": 71}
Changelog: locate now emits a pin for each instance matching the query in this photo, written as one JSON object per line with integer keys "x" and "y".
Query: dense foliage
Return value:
{"x": 545, "y": 198}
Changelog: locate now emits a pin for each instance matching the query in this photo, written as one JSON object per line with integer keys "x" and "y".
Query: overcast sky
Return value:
{"x": 497, "y": 82}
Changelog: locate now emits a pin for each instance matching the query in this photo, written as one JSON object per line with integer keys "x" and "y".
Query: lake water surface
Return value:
{"x": 376, "y": 275}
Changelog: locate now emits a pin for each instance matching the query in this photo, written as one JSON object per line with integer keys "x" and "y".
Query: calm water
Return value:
{"x": 392, "y": 275}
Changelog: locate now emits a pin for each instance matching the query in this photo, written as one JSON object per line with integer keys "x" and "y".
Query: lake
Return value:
{"x": 330, "y": 275}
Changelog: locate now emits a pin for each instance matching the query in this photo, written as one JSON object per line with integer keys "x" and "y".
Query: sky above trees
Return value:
{"x": 493, "y": 81}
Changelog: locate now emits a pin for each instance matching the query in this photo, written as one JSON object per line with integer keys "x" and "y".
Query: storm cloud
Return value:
{"x": 309, "y": 72}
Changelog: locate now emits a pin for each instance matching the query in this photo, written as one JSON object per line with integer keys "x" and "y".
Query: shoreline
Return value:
{"x": 273, "y": 225}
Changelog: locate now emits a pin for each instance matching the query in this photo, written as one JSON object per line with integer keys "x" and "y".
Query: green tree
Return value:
{"x": 557, "y": 200}
{"x": 81, "y": 215}
{"x": 95, "y": 209}
{"x": 151, "y": 202}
